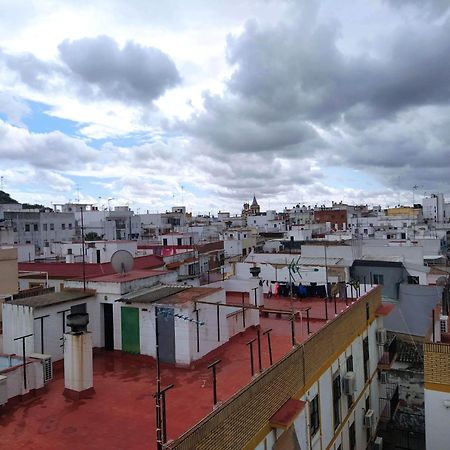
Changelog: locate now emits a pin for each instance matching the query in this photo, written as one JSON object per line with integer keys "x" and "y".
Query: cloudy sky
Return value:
{"x": 153, "y": 103}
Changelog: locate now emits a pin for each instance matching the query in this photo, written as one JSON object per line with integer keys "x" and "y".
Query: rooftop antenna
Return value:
{"x": 182, "y": 192}
{"x": 122, "y": 261}
{"x": 1, "y": 182}
{"x": 78, "y": 193}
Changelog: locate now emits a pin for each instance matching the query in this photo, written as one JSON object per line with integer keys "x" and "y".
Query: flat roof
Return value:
{"x": 170, "y": 294}
{"x": 63, "y": 270}
{"x": 129, "y": 276}
{"x": 152, "y": 294}
{"x": 124, "y": 386}
{"x": 53, "y": 298}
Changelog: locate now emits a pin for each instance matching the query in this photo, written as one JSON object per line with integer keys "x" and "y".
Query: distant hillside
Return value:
{"x": 5, "y": 198}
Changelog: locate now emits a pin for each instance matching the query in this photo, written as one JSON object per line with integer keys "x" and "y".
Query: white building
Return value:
{"x": 436, "y": 350}
{"x": 433, "y": 208}
{"x": 238, "y": 242}
{"x": 43, "y": 317}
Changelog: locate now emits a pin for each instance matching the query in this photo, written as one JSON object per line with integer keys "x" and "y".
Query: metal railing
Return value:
{"x": 389, "y": 352}
{"x": 389, "y": 403}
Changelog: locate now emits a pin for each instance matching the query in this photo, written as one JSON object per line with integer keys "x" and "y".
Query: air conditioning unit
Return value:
{"x": 381, "y": 336}
{"x": 384, "y": 377}
{"x": 47, "y": 366}
{"x": 378, "y": 443}
{"x": 349, "y": 383}
{"x": 444, "y": 324}
{"x": 369, "y": 419}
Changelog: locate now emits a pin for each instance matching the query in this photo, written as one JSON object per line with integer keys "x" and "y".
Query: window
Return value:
{"x": 368, "y": 431}
{"x": 63, "y": 226}
{"x": 164, "y": 241}
{"x": 44, "y": 227}
{"x": 366, "y": 358}
{"x": 413, "y": 280}
{"x": 349, "y": 364}
{"x": 52, "y": 226}
{"x": 27, "y": 227}
{"x": 314, "y": 417}
{"x": 70, "y": 226}
{"x": 352, "y": 437}
{"x": 36, "y": 227}
{"x": 179, "y": 241}
{"x": 378, "y": 278}
{"x": 336, "y": 400}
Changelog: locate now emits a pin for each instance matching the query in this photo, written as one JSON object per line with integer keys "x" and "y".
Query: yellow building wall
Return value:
{"x": 9, "y": 271}
{"x": 402, "y": 211}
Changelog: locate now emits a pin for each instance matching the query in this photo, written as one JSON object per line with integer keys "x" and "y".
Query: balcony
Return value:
{"x": 389, "y": 400}
{"x": 388, "y": 354}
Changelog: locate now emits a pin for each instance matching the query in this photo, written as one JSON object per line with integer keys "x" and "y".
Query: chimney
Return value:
{"x": 78, "y": 370}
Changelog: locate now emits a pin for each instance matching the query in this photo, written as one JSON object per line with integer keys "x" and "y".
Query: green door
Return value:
{"x": 130, "y": 330}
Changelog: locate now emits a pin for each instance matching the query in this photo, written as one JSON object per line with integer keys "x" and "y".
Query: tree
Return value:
{"x": 92, "y": 236}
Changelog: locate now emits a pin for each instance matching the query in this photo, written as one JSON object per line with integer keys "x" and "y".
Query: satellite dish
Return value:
{"x": 441, "y": 281}
{"x": 122, "y": 261}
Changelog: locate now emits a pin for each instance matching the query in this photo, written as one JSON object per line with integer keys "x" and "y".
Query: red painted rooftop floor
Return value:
{"x": 121, "y": 414}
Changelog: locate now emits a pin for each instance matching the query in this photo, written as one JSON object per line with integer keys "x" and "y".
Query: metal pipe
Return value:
{"x": 258, "y": 337}
{"x": 307, "y": 320}
{"x": 218, "y": 323}
{"x": 293, "y": 330}
{"x": 197, "y": 324}
{"x": 41, "y": 318}
{"x": 250, "y": 344}
{"x": 269, "y": 344}
{"x": 24, "y": 356}
{"x": 213, "y": 367}
{"x": 243, "y": 311}
{"x": 83, "y": 248}
{"x": 158, "y": 385}
{"x": 256, "y": 299}
{"x": 434, "y": 332}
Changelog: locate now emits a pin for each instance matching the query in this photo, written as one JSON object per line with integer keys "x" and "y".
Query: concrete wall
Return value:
{"x": 14, "y": 378}
{"x": 185, "y": 331}
{"x": 327, "y": 436}
{"x": 393, "y": 277}
{"x": 413, "y": 311}
{"x": 8, "y": 271}
{"x": 271, "y": 273}
{"x": 437, "y": 419}
{"x": 19, "y": 320}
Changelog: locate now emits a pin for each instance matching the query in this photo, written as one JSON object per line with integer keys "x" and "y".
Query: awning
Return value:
{"x": 284, "y": 417}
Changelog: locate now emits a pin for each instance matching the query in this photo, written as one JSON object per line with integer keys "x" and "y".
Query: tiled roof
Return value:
{"x": 75, "y": 270}
{"x": 53, "y": 298}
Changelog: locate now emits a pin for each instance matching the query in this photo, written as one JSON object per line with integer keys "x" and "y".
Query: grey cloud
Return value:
{"x": 54, "y": 150}
{"x": 31, "y": 70}
{"x": 97, "y": 69}
{"x": 133, "y": 73}
{"x": 292, "y": 79}
{"x": 432, "y": 8}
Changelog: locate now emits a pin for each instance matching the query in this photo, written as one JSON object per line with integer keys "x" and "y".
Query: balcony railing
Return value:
{"x": 389, "y": 403}
{"x": 389, "y": 352}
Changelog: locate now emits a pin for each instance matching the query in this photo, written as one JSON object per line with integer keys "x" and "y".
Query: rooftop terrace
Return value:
{"x": 121, "y": 414}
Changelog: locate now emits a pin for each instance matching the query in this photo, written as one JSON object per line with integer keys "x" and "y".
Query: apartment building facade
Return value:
{"x": 324, "y": 394}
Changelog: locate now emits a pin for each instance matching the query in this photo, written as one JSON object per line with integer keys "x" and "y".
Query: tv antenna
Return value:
{"x": 122, "y": 261}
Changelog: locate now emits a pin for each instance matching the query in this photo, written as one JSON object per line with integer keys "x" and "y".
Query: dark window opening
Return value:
{"x": 336, "y": 400}
{"x": 366, "y": 358}
{"x": 314, "y": 416}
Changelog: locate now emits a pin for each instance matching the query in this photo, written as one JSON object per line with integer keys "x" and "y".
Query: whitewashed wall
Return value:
{"x": 325, "y": 437}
